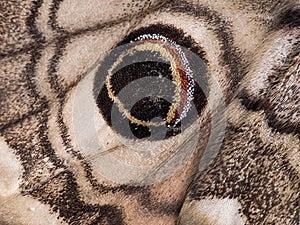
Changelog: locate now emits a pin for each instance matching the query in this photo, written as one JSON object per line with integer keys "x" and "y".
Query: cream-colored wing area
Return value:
{"x": 23, "y": 210}
{"x": 76, "y": 15}
{"x": 11, "y": 171}
{"x": 16, "y": 208}
{"x": 212, "y": 212}
{"x": 79, "y": 16}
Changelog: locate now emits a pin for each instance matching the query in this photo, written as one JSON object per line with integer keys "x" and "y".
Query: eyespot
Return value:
{"x": 152, "y": 84}
{"x": 111, "y": 143}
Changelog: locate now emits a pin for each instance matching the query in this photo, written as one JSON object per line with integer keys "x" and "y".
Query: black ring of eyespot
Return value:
{"x": 115, "y": 73}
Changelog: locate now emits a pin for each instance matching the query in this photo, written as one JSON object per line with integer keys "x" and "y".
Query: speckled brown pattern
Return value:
{"x": 50, "y": 48}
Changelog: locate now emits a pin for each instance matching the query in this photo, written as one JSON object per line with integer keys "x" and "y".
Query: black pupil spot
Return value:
{"x": 147, "y": 109}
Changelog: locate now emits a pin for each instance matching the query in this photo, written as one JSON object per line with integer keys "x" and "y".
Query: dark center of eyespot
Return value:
{"x": 154, "y": 107}
{"x": 146, "y": 89}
